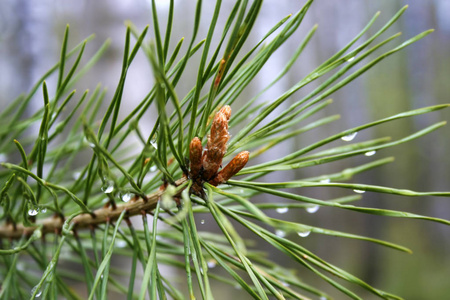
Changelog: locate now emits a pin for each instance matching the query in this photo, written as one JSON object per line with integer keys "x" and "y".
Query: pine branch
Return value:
{"x": 102, "y": 215}
{"x": 180, "y": 131}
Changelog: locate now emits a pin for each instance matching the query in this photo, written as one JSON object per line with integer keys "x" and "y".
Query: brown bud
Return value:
{"x": 219, "y": 127}
{"x": 226, "y": 110}
{"x": 233, "y": 167}
{"x": 195, "y": 157}
{"x": 217, "y": 145}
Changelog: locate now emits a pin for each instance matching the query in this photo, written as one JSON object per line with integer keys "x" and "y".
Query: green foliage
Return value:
{"x": 40, "y": 196}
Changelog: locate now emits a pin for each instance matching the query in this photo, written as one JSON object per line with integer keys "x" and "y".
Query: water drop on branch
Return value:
{"x": 126, "y": 197}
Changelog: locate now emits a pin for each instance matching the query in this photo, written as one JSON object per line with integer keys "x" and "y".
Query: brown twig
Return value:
{"x": 85, "y": 220}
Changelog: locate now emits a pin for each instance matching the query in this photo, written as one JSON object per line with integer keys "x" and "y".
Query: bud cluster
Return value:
{"x": 205, "y": 164}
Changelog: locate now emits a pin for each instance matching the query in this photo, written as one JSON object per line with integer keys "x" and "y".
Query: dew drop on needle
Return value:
{"x": 304, "y": 233}
{"x": 370, "y": 153}
{"x": 359, "y": 191}
{"x": 282, "y": 210}
{"x": 312, "y": 209}
{"x": 349, "y": 137}
{"x": 280, "y": 233}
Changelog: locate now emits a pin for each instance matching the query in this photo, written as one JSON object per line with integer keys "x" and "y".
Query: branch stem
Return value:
{"x": 85, "y": 220}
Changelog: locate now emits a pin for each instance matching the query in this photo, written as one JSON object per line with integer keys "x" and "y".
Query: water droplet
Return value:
{"x": 304, "y": 233}
{"x": 167, "y": 200}
{"x": 323, "y": 298}
{"x": 20, "y": 266}
{"x": 154, "y": 143}
{"x": 44, "y": 210}
{"x": 120, "y": 243}
{"x": 282, "y": 210}
{"x": 238, "y": 287}
{"x": 33, "y": 290}
{"x": 280, "y": 233}
{"x": 153, "y": 168}
{"x": 92, "y": 145}
{"x": 126, "y": 197}
{"x": 108, "y": 187}
{"x": 370, "y": 153}
{"x": 76, "y": 175}
{"x": 37, "y": 234}
{"x": 351, "y": 59}
{"x": 202, "y": 222}
{"x": 211, "y": 263}
{"x": 3, "y": 157}
{"x": 312, "y": 209}
{"x": 349, "y": 137}
{"x": 326, "y": 180}
{"x": 359, "y": 191}
{"x": 285, "y": 283}
{"x": 33, "y": 211}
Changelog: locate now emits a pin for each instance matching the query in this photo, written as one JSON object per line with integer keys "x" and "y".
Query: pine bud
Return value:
{"x": 226, "y": 110}
{"x": 233, "y": 167}
{"x": 195, "y": 157}
{"x": 217, "y": 144}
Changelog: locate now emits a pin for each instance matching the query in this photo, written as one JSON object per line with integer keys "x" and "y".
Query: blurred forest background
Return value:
{"x": 30, "y": 39}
